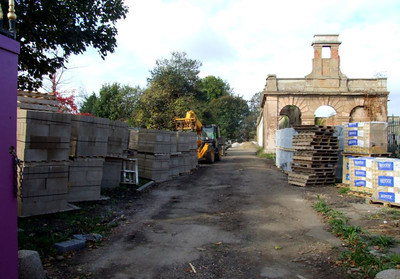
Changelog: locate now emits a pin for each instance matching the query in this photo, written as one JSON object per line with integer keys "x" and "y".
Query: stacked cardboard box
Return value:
{"x": 361, "y": 171}
{"x": 365, "y": 138}
{"x": 362, "y": 140}
{"x": 386, "y": 180}
{"x": 43, "y": 145}
{"x": 315, "y": 156}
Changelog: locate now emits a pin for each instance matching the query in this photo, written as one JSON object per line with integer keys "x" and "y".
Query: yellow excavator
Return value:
{"x": 210, "y": 143}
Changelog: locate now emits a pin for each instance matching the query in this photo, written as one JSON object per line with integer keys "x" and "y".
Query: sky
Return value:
{"x": 244, "y": 41}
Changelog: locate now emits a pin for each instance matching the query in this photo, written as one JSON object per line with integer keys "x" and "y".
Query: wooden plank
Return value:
{"x": 38, "y": 101}
{"x": 37, "y": 107}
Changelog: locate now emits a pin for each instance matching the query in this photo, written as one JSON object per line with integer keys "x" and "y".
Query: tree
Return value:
{"x": 177, "y": 76}
{"x": 171, "y": 92}
{"x": 229, "y": 112}
{"x": 214, "y": 87}
{"x": 248, "y": 126}
{"x": 50, "y": 31}
{"x": 115, "y": 101}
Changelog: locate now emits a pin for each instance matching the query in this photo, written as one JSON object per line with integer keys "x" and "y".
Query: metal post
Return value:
{"x": 12, "y": 17}
{"x": 1, "y": 17}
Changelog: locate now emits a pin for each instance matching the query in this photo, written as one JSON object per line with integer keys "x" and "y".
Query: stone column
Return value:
{"x": 270, "y": 122}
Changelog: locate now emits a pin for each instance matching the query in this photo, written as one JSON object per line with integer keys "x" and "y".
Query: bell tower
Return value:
{"x": 326, "y": 61}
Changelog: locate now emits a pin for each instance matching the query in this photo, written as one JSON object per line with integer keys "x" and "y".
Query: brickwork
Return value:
{"x": 354, "y": 100}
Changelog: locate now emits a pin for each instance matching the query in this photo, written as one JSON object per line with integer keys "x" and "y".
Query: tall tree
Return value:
{"x": 177, "y": 75}
{"x": 229, "y": 112}
{"x": 214, "y": 87}
{"x": 50, "y": 31}
{"x": 115, "y": 101}
{"x": 172, "y": 91}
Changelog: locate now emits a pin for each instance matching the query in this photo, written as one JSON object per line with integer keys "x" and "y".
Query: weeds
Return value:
{"x": 261, "y": 154}
{"x": 359, "y": 243}
{"x": 40, "y": 233}
{"x": 344, "y": 190}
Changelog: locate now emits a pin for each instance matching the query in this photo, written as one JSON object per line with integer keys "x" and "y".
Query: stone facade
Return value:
{"x": 353, "y": 100}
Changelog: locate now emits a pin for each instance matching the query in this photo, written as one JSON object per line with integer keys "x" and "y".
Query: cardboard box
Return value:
{"x": 365, "y": 138}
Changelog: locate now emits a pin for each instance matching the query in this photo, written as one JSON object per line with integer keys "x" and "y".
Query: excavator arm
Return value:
{"x": 192, "y": 123}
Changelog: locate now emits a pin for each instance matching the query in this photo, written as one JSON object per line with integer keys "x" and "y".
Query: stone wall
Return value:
{"x": 352, "y": 99}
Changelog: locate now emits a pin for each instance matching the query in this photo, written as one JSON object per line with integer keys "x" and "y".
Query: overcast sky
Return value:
{"x": 244, "y": 41}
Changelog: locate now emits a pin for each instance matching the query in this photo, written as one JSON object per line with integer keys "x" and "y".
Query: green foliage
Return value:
{"x": 50, "y": 31}
{"x": 116, "y": 102}
{"x": 344, "y": 190}
{"x": 229, "y": 112}
{"x": 358, "y": 242}
{"x": 213, "y": 88}
{"x": 176, "y": 76}
{"x": 261, "y": 154}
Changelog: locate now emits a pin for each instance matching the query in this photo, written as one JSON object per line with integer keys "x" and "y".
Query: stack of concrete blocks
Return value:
{"x": 386, "y": 180}
{"x": 117, "y": 145}
{"x": 153, "y": 153}
{"x": 187, "y": 147}
{"x": 43, "y": 146}
{"x": 89, "y": 143}
{"x": 284, "y": 149}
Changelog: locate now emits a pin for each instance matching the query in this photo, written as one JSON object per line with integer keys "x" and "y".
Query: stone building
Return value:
{"x": 353, "y": 100}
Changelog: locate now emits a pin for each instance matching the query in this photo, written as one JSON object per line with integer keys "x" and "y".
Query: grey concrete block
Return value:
{"x": 95, "y": 237}
{"x": 70, "y": 245}
{"x": 388, "y": 274}
{"x": 30, "y": 265}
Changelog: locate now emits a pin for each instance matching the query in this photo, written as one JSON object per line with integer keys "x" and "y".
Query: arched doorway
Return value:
{"x": 325, "y": 115}
{"x": 359, "y": 114}
{"x": 289, "y": 116}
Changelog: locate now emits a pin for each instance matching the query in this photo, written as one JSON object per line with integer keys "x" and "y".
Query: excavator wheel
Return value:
{"x": 218, "y": 155}
{"x": 210, "y": 157}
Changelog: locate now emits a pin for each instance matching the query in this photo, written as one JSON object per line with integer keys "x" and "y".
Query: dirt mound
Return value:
{"x": 247, "y": 145}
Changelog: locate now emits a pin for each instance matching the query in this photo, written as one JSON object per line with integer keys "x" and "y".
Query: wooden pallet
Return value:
{"x": 384, "y": 203}
{"x": 367, "y": 155}
{"x": 37, "y": 101}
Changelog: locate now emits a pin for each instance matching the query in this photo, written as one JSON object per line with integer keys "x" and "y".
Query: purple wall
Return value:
{"x": 9, "y": 50}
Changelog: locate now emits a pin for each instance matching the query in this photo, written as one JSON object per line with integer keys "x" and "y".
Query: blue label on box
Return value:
{"x": 347, "y": 165}
{"x": 359, "y": 162}
{"x": 352, "y": 133}
{"x": 387, "y": 181}
{"x": 386, "y": 196}
{"x": 360, "y": 183}
{"x": 385, "y": 166}
{"x": 348, "y": 176}
{"x": 352, "y": 142}
{"x": 362, "y": 173}
{"x": 352, "y": 124}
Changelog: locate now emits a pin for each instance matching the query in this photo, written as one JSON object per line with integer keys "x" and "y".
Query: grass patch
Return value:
{"x": 344, "y": 190}
{"x": 40, "y": 233}
{"x": 261, "y": 154}
{"x": 359, "y": 243}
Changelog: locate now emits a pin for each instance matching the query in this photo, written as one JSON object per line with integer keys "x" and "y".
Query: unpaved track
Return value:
{"x": 237, "y": 218}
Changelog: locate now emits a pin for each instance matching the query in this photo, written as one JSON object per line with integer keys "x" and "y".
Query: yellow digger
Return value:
{"x": 210, "y": 143}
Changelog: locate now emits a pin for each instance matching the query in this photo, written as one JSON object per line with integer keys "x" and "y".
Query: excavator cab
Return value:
{"x": 211, "y": 145}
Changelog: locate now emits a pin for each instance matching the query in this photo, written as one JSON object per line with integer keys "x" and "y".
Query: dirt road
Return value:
{"x": 237, "y": 218}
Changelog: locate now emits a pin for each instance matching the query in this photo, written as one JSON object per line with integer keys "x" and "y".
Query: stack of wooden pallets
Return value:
{"x": 315, "y": 156}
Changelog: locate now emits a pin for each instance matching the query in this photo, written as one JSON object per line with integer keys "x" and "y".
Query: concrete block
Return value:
{"x": 70, "y": 245}
{"x": 38, "y": 205}
{"x": 95, "y": 237}
{"x": 30, "y": 265}
{"x": 84, "y": 179}
{"x": 133, "y": 139}
{"x": 111, "y": 173}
